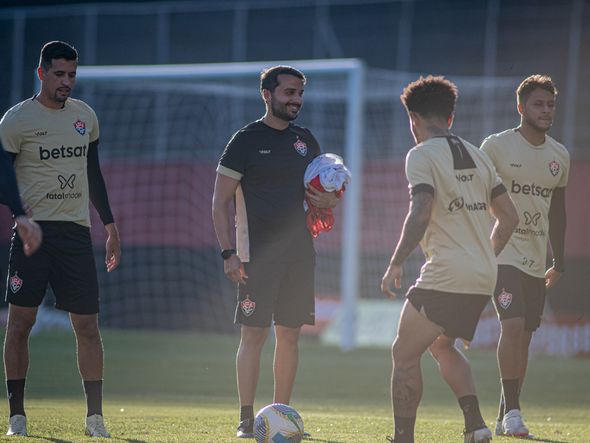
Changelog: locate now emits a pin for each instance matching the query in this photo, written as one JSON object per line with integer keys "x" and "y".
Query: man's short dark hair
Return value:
{"x": 430, "y": 97}
{"x": 533, "y": 82}
{"x": 269, "y": 78}
{"x": 56, "y": 50}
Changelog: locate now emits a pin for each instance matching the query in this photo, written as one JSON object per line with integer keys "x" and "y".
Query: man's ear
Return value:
{"x": 40, "y": 73}
{"x": 266, "y": 95}
{"x": 519, "y": 108}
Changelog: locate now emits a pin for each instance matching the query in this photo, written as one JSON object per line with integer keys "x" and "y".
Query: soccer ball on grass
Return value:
{"x": 278, "y": 423}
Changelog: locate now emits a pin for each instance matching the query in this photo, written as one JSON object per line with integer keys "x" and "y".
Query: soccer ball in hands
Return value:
{"x": 278, "y": 423}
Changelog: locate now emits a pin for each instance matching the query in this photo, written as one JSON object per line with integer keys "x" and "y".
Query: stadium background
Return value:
{"x": 171, "y": 275}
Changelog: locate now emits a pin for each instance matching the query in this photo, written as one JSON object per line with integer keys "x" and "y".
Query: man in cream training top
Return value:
{"x": 453, "y": 189}
{"x": 534, "y": 168}
{"x": 53, "y": 140}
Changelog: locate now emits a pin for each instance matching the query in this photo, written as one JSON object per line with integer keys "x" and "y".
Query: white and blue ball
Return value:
{"x": 278, "y": 423}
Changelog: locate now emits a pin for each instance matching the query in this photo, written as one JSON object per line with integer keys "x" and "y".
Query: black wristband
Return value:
{"x": 227, "y": 253}
{"x": 558, "y": 266}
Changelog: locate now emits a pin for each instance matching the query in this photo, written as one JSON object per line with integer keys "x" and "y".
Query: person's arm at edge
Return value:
{"x": 415, "y": 225}
{"x": 28, "y": 231}
{"x": 504, "y": 211}
{"x": 9, "y": 194}
{"x": 223, "y": 198}
{"x": 100, "y": 200}
{"x": 557, "y": 228}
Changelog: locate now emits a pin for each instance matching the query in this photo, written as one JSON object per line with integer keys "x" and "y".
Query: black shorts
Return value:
{"x": 519, "y": 295}
{"x": 456, "y": 314}
{"x": 280, "y": 291}
{"x": 65, "y": 260}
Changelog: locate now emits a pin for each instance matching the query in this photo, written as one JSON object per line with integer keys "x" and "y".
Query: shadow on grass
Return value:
{"x": 320, "y": 440}
{"x": 546, "y": 440}
{"x": 60, "y": 440}
{"x": 55, "y": 440}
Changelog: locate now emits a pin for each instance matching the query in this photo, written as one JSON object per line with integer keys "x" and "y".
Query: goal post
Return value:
{"x": 353, "y": 71}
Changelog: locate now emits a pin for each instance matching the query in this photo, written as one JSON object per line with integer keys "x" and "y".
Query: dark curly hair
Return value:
{"x": 430, "y": 97}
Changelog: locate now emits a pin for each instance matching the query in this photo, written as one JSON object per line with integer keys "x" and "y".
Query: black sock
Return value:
{"x": 510, "y": 389}
{"x": 93, "y": 391}
{"x": 246, "y": 412}
{"x": 404, "y": 429}
{"x": 15, "y": 390}
{"x": 470, "y": 407}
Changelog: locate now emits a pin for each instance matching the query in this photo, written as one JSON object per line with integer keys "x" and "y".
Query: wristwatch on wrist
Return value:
{"x": 227, "y": 253}
{"x": 558, "y": 266}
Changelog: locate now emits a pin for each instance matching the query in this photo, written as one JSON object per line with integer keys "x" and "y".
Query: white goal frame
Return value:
{"x": 354, "y": 70}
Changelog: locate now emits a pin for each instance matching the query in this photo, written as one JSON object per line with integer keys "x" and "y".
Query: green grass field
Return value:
{"x": 172, "y": 387}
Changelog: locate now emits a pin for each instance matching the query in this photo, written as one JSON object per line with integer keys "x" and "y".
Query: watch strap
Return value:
{"x": 227, "y": 253}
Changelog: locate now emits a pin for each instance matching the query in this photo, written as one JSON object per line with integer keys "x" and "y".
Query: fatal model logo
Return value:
{"x": 80, "y": 127}
{"x": 248, "y": 306}
{"x": 15, "y": 283}
{"x": 300, "y": 147}
{"x": 531, "y": 219}
{"x": 66, "y": 182}
{"x": 554, "y": 168}
{"x": 504, "y": 299}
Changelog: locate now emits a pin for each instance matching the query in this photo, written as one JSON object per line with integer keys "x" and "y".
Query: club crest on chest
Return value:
{"x": 300, "y": 147}
{"x": 554, "y": 168}
{"x": 80, "y": 127}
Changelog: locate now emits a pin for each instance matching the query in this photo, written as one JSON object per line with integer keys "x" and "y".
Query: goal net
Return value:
{"x": 163, "y": 129}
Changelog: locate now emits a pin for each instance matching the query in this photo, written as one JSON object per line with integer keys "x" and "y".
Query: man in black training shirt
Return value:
{"x": 261, "y": 172}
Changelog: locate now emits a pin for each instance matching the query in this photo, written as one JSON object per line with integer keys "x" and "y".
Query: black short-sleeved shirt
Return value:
{"x": 270, "y": 164}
